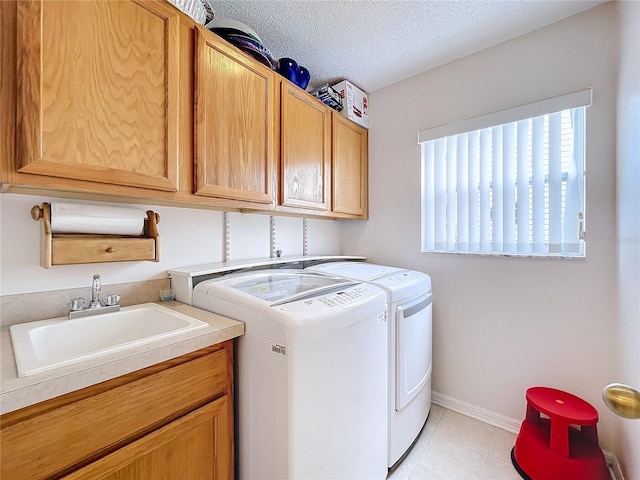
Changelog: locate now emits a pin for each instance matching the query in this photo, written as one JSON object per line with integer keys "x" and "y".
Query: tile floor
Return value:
{"x": 452, "y": 446}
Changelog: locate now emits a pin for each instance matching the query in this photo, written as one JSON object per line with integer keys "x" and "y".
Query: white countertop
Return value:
{"x": 18, "y": 392}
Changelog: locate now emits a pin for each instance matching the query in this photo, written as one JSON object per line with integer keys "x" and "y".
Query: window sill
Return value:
{"x": 543, "y": 256}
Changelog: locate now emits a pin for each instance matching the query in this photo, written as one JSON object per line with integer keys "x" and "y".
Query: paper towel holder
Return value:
{"x": 69, "y": 249}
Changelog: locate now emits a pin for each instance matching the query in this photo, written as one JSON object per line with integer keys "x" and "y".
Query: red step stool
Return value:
{"x": 549, "y": 449}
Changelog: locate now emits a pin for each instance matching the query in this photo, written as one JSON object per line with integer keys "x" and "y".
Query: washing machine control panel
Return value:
{"x": 351, "y": 299}
{"x": 342, "y": 298}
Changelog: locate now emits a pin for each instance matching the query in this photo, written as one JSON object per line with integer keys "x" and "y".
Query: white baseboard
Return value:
{"x": 505, "y": 423}
{"x": 614, "y": 465}
{"x": 487, "y": 416}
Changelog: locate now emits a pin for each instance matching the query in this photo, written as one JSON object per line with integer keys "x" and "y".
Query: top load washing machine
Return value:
{"x": 410, "y": 321}
{"x": 312, "y": 373}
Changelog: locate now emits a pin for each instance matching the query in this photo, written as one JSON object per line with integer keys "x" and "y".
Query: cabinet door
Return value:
{"x": 305, "y": 150}
{"x": 234, "y": 123}
{"x": 196, "y": 446}
{"x": 45, "y": 439}
{"x": 98, "y": 91}
{"x": 350, "y": 161}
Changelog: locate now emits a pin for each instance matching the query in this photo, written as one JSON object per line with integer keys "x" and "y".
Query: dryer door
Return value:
{"x": 413, "y": 348}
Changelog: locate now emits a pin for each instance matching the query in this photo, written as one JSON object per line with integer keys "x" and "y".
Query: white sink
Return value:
{"x": 48, "y": 344}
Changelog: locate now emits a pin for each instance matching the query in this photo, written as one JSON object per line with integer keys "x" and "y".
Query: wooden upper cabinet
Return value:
{"x": 350, "y": 163}
{"x": 305, "y": 152}
{"x": 234, "y": 123}
{"x": 97, "y": 91}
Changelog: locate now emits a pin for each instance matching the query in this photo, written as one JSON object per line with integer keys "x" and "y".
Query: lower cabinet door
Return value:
{"x": 195, "y": 446}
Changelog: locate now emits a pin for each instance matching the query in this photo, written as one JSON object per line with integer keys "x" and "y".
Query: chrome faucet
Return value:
{"x": 95, "y": 292}
{"x": 79, "y": 308}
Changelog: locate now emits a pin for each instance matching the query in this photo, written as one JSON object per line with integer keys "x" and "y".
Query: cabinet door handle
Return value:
{"x": 110, "y": 249}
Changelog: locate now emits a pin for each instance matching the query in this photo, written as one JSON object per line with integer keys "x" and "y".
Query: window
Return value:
{"x": 507, "y": 183}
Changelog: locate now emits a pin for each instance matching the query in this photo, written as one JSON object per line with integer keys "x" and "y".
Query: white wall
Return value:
{"x": 502, "y": 325}
{"x": 628, "y": 235}
{"x": 187, "y": 237}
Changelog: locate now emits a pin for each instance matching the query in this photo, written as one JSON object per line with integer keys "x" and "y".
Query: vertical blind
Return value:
{"x": 512, "y": 188}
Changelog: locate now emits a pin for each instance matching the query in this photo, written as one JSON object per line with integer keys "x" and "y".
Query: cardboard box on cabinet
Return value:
{"x": 355, "y": 102}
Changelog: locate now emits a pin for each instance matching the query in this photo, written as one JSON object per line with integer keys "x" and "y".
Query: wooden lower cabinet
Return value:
{"x": 185, "y": 449}
{"x": 173, "y": 420}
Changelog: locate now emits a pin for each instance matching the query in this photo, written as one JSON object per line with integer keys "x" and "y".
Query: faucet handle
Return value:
{"x": 111, "y": 299}
{"x": 77, "y": 303}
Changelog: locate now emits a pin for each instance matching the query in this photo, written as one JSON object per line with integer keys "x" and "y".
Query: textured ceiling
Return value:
{"x": 374, "y": 43}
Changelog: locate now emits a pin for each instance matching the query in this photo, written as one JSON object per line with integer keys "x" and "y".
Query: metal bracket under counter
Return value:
{"x": 183, "y": 280}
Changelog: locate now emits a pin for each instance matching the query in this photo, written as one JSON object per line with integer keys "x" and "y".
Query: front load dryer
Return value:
{"x": 311, "y": 376}
{"x": 410, "y": 323}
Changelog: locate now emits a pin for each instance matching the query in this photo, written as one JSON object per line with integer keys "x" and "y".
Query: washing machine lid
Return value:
{"x": 398, "y": 283}
{"x": 271, "y": 288}
{"x": 291, "y": 306}
{"x": 357, "y": 270}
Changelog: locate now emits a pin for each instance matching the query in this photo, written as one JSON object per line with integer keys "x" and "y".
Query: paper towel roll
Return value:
{"x": 96, "y": 219}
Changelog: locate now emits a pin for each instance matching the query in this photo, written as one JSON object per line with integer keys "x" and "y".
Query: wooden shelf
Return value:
{"x": 69, "y": 249}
